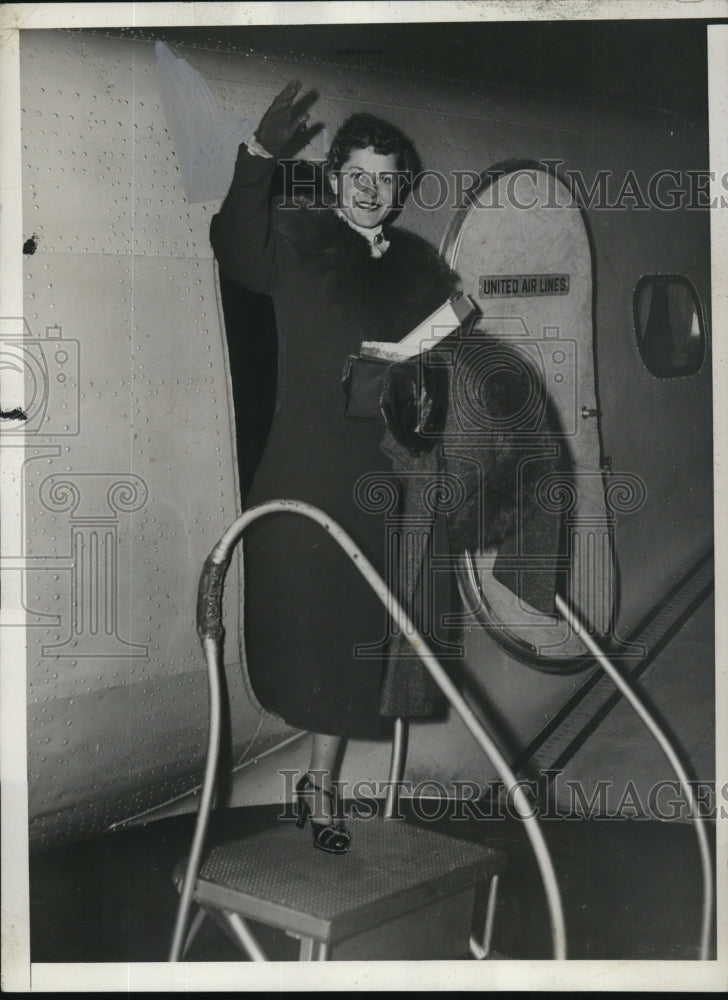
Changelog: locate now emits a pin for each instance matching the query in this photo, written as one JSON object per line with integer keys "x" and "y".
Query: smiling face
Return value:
{"x": 366, "y": 186}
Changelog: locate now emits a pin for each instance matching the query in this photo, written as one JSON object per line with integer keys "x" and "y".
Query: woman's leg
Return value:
{"x": 324, "y": 754}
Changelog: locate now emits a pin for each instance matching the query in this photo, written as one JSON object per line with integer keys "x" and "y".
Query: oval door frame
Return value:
{"x": 598, "y": 562}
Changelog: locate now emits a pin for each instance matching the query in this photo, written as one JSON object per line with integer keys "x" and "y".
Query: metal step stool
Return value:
{"x": 400, "y": 892}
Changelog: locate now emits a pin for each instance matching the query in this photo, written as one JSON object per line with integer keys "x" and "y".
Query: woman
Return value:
{"x": 337, "y": 274}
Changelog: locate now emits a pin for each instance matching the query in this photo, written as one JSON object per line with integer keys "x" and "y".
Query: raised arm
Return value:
{"x": 242, "y": 235}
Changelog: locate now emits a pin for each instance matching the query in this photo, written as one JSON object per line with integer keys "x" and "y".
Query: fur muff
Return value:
{"x": 476, "y": 419}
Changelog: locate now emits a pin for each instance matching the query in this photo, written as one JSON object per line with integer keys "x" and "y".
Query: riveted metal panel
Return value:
{"x": 130, "y": 476}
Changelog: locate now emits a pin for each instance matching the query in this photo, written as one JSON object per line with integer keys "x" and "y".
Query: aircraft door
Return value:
{"x": 522, "y": 253}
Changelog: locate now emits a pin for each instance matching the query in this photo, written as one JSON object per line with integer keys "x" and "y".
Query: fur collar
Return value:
{"x": 386, "y": 296}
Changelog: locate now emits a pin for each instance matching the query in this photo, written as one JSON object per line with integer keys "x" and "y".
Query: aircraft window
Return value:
{"x": 669, "y": 325}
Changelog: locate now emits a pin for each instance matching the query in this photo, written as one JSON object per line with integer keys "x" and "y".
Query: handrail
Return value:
{"x": 669, "y": 751}
{"x": 209, "y": 625}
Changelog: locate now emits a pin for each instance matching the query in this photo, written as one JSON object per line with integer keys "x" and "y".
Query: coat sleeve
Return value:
{"x": 242, "y": 233}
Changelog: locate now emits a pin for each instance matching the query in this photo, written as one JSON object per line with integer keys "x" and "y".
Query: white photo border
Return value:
{"x": 18, "y": 974}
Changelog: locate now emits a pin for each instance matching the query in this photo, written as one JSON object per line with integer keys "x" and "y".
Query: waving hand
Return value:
{"x": 281, "y": 121}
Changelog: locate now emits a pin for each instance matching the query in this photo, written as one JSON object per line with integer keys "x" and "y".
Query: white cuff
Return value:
{"x": 255, "y": 148}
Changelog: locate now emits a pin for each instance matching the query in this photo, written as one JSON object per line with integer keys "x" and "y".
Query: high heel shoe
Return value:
{"x": 333, "y": 837}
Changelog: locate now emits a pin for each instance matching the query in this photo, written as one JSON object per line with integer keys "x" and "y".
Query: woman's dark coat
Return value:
{"x": 314, "y": 631}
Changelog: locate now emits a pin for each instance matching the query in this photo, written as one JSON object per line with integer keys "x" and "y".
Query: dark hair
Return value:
{"x": 363, "y": 130}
